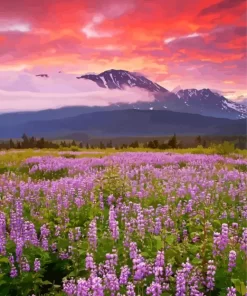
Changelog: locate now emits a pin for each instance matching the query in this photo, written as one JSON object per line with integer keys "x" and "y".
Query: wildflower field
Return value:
{"x": 130, "y": 223}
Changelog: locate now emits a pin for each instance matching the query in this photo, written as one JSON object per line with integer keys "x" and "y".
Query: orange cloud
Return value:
{"x": 229, "y": 82}
{"x": 162, "y": 39}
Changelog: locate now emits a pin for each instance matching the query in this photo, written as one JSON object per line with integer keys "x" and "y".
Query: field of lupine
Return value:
{"x": 124, "y": 224}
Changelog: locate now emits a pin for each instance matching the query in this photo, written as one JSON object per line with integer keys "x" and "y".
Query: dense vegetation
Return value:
{"x": 172, "y": 142}
{"x": 123, "y": 224}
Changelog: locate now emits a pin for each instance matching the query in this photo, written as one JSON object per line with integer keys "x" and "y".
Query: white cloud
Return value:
{"x": 23, "y": 100}
{"x": 24, "y": 91}
{"x": 168, "y": 40}
{"x": 172, "y": 39}
{"x": 90, "y": 29}
{"x": 23, "y": 28}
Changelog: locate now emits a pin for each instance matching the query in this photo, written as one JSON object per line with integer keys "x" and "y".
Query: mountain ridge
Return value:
{"x": 127, "y": 123}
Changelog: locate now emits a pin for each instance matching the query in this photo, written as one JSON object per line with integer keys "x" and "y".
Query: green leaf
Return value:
{"x": 144, "y": 254}
{"x": 159, "y": 242}
{"x": 4, "y": 260}
{"x": 196, "y": 261}
{"x": 240, "y": 286}
{"x": 46, "y": 283}
{"x": 57, "y": 286}
{"x": 194, "y": 249}
{"x": 170, "y": 239}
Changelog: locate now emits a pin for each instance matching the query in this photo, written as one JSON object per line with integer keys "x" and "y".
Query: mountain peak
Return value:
{"x": 120, "y": 79}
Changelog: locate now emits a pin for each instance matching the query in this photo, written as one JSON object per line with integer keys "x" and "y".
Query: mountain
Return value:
{"x": 120, "y": 79}
{"x": 204, "y": 101}
{"x": 129, "y": 123}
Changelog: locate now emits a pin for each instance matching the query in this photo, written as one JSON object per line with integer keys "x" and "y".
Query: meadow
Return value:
{"x": 127, "y": 223}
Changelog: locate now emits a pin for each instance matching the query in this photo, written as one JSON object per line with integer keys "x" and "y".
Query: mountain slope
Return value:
{"x": 129, "y": 123}
{"x": 206, "y": 102}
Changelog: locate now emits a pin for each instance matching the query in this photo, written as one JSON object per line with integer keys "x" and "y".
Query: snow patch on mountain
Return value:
{"x": 235, "y": 106}
{"x": 104, "y": 81}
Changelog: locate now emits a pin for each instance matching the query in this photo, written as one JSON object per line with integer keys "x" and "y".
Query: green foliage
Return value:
{"x": 225, "y": 148}
{"x": 74, "y": 148}
{"x": 49, "y": 175}
{"x": 241, "y": 167}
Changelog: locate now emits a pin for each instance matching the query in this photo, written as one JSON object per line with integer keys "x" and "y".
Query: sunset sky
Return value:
{"x": 185, "y": 42}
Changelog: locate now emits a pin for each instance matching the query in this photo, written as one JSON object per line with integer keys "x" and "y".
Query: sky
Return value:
{"x": 193, "y": 44}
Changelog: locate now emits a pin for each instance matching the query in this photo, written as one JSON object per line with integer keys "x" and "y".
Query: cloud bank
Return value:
{"x": 25, "y": 91}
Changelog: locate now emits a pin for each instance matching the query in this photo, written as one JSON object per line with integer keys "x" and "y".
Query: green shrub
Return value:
{"x": 74, "y": 148}
{"x": 225, "y": 148}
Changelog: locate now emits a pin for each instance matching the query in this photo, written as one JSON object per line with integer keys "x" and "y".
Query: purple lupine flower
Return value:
{"x": 124, "y": 275}
{"x": 54, "y": 247}
{"x": 158, "y": 226}
{"x": 112, "y": 259}
{"x": 71, "y": 235}
{"x": 69, "y": 287}
{"x": 45, "y": 243}
{"x": 11, "y": 259}
{"x": 44, "y": 231}
{"x": 155, "y": 289}
{"x": 110, "y": 199}
{"x": 19, "y": 247}
{"x": 25, "y": 265}
{"x": 113, "y": 223}
{"x": 130, "y": 290}
{"x": 180, "y": 283}
{"x": 36, "y": 265}
{"x": 244, "y": 241}
{"x": 111, "y": 282}
{"x": 133, "y": 251}
{"x": 77, "y": 233}
{"x": 187, "y": 267}
{"x": 97, "y": 287}
{"x": 83, "y": 288}
{"x": 159, "y": 265}
{"x": 29, "y": 233}
{"x": 232, "y": 260}
{"x": 216, "y": 240}
{"x": 63, "y": 255}
{"x": 57, "y": 230}
{"x": 90, "y": 265}
{"x": 2, "y": 233}
{"x": 211, "y": 270}
{"x": 140, "y": 223}
{"x": 194, "y": 290}
{"x": 140, "y": 268}
{"x": 160, "y": 259}
{"x": 13, "y": 271}
{"x": 168, "y": 271}
{"x": 92, "y": 234}
{"x": 224, "y": 237}
{"x": 101, "y": 200}
{"x": 231, "y": 291}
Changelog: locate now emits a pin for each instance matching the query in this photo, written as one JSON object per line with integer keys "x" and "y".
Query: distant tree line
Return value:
{"x": 40, "y": 143}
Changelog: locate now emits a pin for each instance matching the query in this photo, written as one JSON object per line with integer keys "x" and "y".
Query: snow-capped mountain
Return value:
{"x": 120, "y": 79}
{"x": 208, "y": 102}
{"x": 204, "y": 101}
